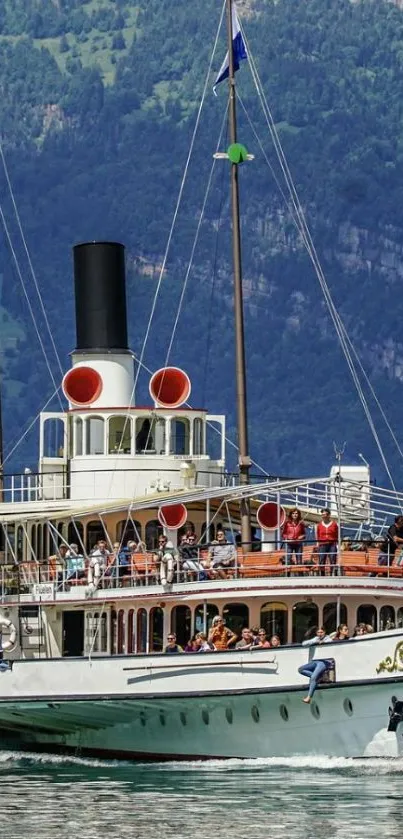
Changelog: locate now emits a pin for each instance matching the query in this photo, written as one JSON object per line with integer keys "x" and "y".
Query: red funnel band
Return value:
{"x": 82, "y": 385}
{"x": 170, "y": 387}
{"x": 172, "y": 516}
{"x": 270, "y": 515}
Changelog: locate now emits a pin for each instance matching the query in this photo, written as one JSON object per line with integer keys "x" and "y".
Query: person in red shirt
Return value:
{"x": 293, "y": 535}
{"x": 327, "y": 535}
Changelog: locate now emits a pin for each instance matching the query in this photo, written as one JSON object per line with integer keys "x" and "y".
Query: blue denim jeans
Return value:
{"x": 314, "y": 669}
{"x": 290, "y": 548}
{"x": 327, "y": 549}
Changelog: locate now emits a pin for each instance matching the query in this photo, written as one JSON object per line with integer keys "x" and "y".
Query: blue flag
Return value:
{"x": 238, "y": 49}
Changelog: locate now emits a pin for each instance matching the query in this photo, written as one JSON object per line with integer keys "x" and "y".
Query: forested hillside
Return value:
{"x": 98, "y": 106}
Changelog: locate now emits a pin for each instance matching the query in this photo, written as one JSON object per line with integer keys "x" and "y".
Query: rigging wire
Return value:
{"x": 17, "y": 215}
{"x": 299, "y": 217}
{"x": 11, "y": 246}
{"x": 28, "y": 429}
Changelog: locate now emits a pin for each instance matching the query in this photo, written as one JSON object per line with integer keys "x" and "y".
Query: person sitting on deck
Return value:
{"x": 327, "y": 534}
{"x": 261, "y": 640}
{"x": 220, "y": 636}
{"x": 57, "y": 563}
{"x": 293, "y": 534}
{"x": 189, "y": 554}
{"x": 275, "y": 641}
{"x": 202, "y": 645}
{"x": 246, "y": 641}
{"x": 392, "y": 541}
{"x": 98, "y": 562}
{"x": 317, "y": 667}
{"x": 172, "y": 646}
{"x": 75, "y": 563}
{"x": 342, "y": 633}
{"x": 221, "y": 556}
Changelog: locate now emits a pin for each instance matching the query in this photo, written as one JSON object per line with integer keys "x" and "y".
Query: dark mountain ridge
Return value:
{"x": 98, "y": 108}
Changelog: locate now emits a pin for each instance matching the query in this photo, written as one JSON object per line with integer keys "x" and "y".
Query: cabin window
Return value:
{"x": 141, "y": 631}
{"x": 9, "y": 545}
{"x": 75, "y": 533}
{"x": 103, "y": 633}
{"x": 236, "y": 617}
{"x": 20, "y": 543}
{"x": 40, "y": 554}
{"x": 399, "y": 617}
{"x": 153, "y": 530}
{"x": 46, "y": 551}
{"x": 53, "y": 437}
{"x": 180, "y": 436}
{"x": 94, "y": 436}
{"x": 367, "y": 614}
{"x": 156, "y": 629}
{"x": 34, "y": 543}
{"x": 121, "y": 632}
{"x": 119, "y": 435}
{"x": 78, "y": 436}
{"x": 113, "y": 631}
{"x": 145, "y": 436}
{"x": 131, "y": 640}
{"x": 204, "y": 615}
{"x": 207, "y": 534}
{"x": 273, "y": 618}
{"x": 330, "y": 616}
{"x": 387, "y": 618}
{"x": 181, "y": 624}
{"x": 128, "y": 530}
{"x": 95, "y": 531}
{"x": 198, "y": 443}
{"x": 305, "y": 619}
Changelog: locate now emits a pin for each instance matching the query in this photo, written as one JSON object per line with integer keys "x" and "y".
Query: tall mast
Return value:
{"x": 242, "y": 417}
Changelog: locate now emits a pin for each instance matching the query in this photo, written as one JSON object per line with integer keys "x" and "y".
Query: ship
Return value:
{"x": 88, "y": 605}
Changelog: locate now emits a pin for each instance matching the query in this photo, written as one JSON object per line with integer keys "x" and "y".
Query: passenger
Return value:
{"x": 360, "y": 629}
{"x": 275, "y": 641}
{"x": 255, "y": 632}
{"x": 144, "y": 439}
{"x": 75, "y": 563}
{"x": 246, "y": 641}
{"x": 261, "y": 640}
{"x": 342, "y": 633}
{"x": 172, "y": 646}
{"x": 220, "y": 636}
{"x": 191, "y": 646}
{"x": 222, "y": 556}
{"x": 98, "y": 562}
{"x": 57, "y": 563}
{"x": 189, "y": 554}
{"x": 327, "y": 533}
{"x": 317, "y": 667}
{"x": 166, "y": 557}
{"x": 202, "y": 644}
{"x": 293, "y": 535}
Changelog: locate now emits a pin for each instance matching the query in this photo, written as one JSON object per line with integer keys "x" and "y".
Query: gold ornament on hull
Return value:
{"x": 389, "y": 664}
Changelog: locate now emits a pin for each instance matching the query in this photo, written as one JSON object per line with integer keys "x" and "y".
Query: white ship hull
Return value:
{"x": 213, "y": 705}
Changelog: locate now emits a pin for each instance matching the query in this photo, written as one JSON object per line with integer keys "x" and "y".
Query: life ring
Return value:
{"x": 8, "y": 644}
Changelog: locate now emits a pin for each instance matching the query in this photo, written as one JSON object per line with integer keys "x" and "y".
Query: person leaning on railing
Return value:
{"x": 293, "y": 535}
{"x": 392, "y": 541}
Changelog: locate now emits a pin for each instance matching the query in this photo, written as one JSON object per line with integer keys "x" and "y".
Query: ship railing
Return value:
{"x": 359, "y": 560}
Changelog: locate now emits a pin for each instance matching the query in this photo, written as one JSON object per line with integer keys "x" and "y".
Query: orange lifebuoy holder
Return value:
{"x": 172, "y": 516}
{"x": 170, "y": 387}
{"x": 270, "y": 515}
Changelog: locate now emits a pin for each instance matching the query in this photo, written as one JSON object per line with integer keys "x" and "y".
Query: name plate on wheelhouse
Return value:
{"x": 43, "y": 591}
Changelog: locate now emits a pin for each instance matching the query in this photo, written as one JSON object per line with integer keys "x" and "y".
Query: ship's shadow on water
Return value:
{"x": 49, "y": 796}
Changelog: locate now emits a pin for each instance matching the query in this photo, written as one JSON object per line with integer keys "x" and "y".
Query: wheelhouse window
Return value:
{"x": 305, "y": 619}
{"x": 180, "y": 436}
{"x": 94, "y": 436}
{"x": 78, "y": 436}
{"x": 273, "y": 618}
{"x": 387, "y": 618}
{"x": 181, "y": 624}
{"x": 156, "y": 623}
{"x": 119, "y": 435}
{"x": 204, "y": 614}
{"x": 367, "y": 614}
{"x": 236, "y": 616}
{"x": 145, "y": 435}
{"x": 330, "y": 616}
{"x": 198, "y": 442}
{"x": 53, "y": 437}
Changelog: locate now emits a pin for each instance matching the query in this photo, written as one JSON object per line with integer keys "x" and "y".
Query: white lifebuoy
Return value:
{"x": 8, "y": 644}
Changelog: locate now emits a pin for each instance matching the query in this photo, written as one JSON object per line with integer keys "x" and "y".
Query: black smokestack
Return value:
{"x": 100, "y": 292}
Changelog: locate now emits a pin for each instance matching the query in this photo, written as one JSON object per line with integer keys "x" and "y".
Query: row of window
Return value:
{"x": 142, "y": 631}
{"x": 123, "y": 434}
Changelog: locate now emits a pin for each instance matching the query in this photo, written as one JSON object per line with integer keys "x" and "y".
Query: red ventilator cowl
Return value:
{"x": 170, "y": 387}
{"x": 270, "y": 515}
{"x": 82, "y": 385}
{"x": 172, "y": 516}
